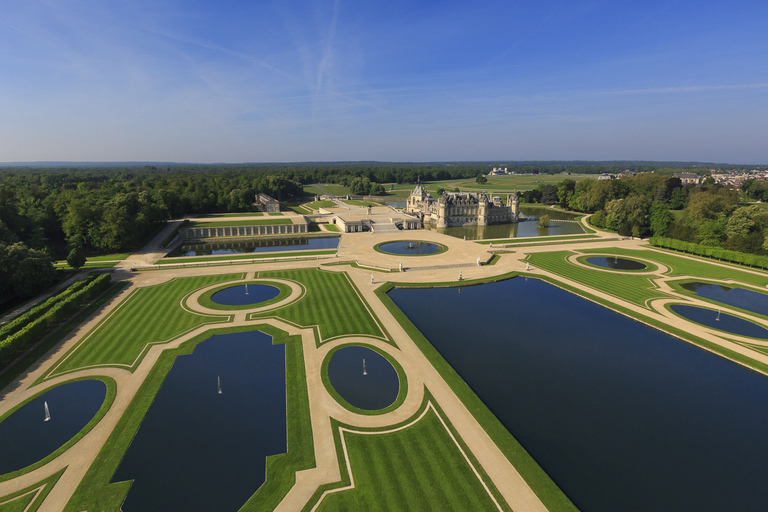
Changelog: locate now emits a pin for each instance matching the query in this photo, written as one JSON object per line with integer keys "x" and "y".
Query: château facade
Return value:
{"x": 462, "y": 209}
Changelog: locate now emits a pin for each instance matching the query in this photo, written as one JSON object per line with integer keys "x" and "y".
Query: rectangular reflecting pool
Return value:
{"x": 622, "y": 416}
{"x": 203, "y": 443}
{"x": 523, "y": 229}
{"x": 255, "y": 246}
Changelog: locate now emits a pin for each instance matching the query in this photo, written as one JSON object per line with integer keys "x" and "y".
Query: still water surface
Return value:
{"x": 25, "y": 438}
{"x": 377, "y": 388}
{"x": 616, "y": 263}
{"x": 528, "y": 228}
{"x": 409, "y": 248}
{"x": 622, "y": 416}
{"x": 242, "y": 295}
{"x": 721, "y": 321}
{"x": 257, "y": 246}
{"x": 198, "y": 450}
{"x": 738, "y": 297}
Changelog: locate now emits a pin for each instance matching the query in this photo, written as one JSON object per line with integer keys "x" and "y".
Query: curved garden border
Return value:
{"x": 650, "y": 266}
{"x": 109, "y": 398}
{"x": 401, "y": 377}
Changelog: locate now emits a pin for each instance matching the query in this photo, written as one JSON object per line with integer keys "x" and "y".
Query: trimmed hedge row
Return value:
{"x": 59, "y": 312}
{"x": 36, "y": 312}
{"x": 753, "y": 260}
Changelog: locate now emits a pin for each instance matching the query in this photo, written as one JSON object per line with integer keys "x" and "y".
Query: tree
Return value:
{"x": 549, "y": 194}
{"x": 76, "y": 257}
{"x": 481, "y": 180}
{"x": 660, "y": 218}
{"x": 543, "y": 221}
{"x": 23, "y": 271}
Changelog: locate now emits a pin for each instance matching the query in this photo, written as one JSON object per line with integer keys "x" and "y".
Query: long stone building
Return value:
{"x": 462, "y": 208}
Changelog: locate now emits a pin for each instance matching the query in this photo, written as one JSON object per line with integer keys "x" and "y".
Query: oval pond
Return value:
{"x": 616, "y": 263}
{"x": 245, "y": 294}
{"x": 410, "y": 248}
{"x": 749, "y": 300}
{"x": 26, "y": 438}
{"x": 375, "y": 389}
{"x": 720, "y": 321}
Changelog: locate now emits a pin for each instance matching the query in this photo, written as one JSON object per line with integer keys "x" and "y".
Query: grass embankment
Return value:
{"x": 96, "y": 493}
{"x": 250, "y": 256}
{"x": 316, "y": 205}
{"x": 632, "y": 288}
{"x": 149, "y": 315}
{"x": 417, "y": 468}
{"x": 236, "y": 223}
{"x": 549, "y": 493}
{"x": 29, "y": 500}
{"x": 331, "y": 302}
{"x": 693, "y": 266}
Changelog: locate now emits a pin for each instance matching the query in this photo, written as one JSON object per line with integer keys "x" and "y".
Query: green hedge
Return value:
{"x": 36, "y": 312}
{"x": 753, "y": 260}
{"x": 65, "y": 305}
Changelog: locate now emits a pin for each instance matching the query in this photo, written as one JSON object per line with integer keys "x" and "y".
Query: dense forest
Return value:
{"x": 70, "y": 211}
{"x": 643, "y": 205}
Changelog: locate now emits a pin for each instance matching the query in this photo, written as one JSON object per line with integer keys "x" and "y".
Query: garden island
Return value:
{"x": 335, "y": 354}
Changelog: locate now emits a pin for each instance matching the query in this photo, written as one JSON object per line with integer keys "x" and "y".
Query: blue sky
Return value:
{"x": 257, "y": 81}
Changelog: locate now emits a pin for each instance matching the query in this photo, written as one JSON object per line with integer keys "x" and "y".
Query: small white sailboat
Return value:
{"x": 365, "y": 372}
{"x": 218, "y": 384}
{"x": 47, "y": 412}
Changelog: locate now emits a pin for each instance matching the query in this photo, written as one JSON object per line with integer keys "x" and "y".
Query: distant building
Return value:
{"x": 461, "y": 209}
{"x": 499, "y": 172}
{"x": 606, "y": 176}
{"x": 267, "y": 203}
{"x": 688, "y": 178}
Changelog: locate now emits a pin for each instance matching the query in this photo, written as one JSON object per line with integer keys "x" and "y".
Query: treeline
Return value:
{"x": 709, "y": 215}
{"x": 753, "y": 260}
{"x": 19, "y": 334}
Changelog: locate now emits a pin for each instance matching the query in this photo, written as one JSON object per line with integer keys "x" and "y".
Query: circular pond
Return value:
{"x": 363, "y": 377}
{"x": 615, "y": 263}
{"x": 720, "y": 321}
{"x": 410, "y": 248}
{"x": 245, "y": 294}
{"x": 26, "y": 437}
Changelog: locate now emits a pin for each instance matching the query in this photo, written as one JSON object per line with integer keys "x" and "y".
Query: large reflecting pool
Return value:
{"x": 245, "y": 294}
{"x": 623, "y": 417}
{"x": 738, "y": 297}
{"x": 26, "y": 438}
{"x": 363, "y": 377}
{"x": 721, "y": 321}
{"x": 201, "y": 450}
{"x": 256, "y": 246}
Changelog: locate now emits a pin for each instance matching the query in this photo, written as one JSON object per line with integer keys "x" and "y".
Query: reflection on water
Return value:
{"x": 615, "y": 263}
{"x": 409, "y": 247}
{"x": 363, "y": 377}
{"x": 199, "y": 449}
{"x": 622, "y": 416}
{"x": 721, "y": 321}
{"x": 25, "y": 438}
{"x": 738, "y": 297}
{"x": 256, "y": 246}
{"x": 243, "y": 295}
{"x": 523, "y": 229}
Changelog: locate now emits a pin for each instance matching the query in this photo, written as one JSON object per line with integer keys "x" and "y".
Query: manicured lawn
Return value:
{"x": 149, "y": 315}
{"x": 535, "y": 239}
{"x": 241, "y": 214}
{"x": 332, "y": 227}
{"x": 316, "y": 205}
{"x": 633, "y": 288}
{"x": 417, "y": 468}
{"x": 312, "y": 190}
{"x": 235, "y": 223}
{"x": 331, "y": 302}
{"x": 27, "y": 500}
{"x": 695, "y": 266}
{"x": 334, "y": 189}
